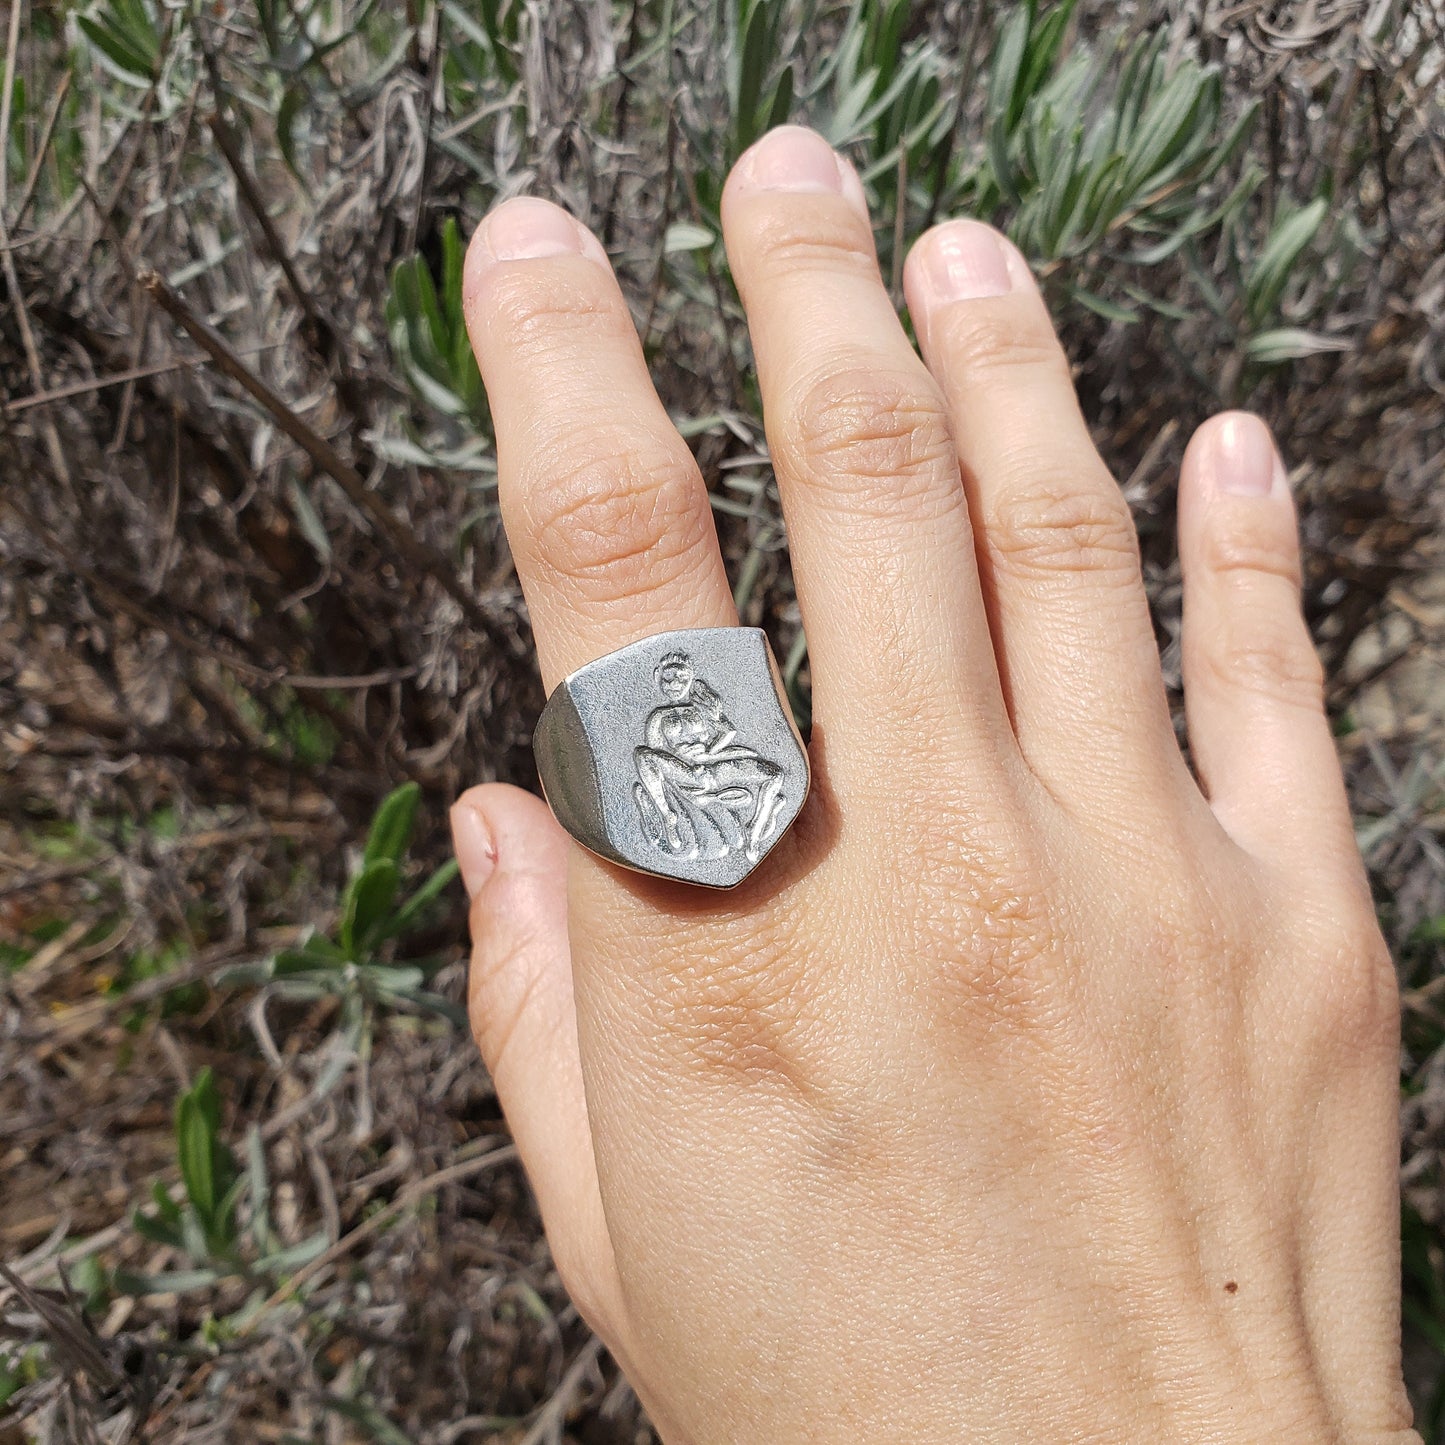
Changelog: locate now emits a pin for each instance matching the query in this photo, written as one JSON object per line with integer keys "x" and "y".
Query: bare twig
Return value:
{"x": 42, "y": 148}
{"x": 7, "y": 257}
{"x": 406, "y": 543}
{"x": 412, "y": 1194}
{"x": 553, "y": 1415}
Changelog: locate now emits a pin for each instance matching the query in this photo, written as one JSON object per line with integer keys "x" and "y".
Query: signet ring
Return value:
{"x": 676, "y": 755}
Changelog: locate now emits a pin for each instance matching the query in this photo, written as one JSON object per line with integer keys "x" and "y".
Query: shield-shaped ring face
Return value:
{"x": 676, "y": 755}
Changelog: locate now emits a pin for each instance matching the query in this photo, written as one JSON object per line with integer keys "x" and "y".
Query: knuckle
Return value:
{"x": 995, "y": 943}
{"x": 998, "y": 979}
{"x": 987, "y": 343}
{"x": 601, "y": 519}
{"x": 1247, "y": 552}
{"x": 539, "y": 312}
{"x": 745, "y": 1018}
{"x": 876, "y": 437}
{"x": 1262, "y": 652}
{"x": 792, "y": 240}
{"x": 1064, "y": 525}
{"x": 1352, "y": 999}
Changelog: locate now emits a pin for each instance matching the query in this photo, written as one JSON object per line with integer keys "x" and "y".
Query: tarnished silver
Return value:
{"x": 676, "y": 755}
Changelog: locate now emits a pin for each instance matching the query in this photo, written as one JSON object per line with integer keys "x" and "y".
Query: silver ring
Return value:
{"x": 676, "y": 755}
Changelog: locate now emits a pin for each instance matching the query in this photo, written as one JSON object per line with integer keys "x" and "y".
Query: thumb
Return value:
{"x": 513, "y": 859}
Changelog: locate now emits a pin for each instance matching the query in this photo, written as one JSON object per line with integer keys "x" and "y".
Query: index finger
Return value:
{"x": 605, "y": 510}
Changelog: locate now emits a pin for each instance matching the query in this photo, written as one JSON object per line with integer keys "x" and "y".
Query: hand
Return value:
{"x": 1029, "y": 1090}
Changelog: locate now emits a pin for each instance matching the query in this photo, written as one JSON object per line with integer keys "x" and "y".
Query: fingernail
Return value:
{"x": 1245, "y": 460}
{"x": 476, "y": 852}
{"x": 526, "y": 229}
{"x": 966, "y": 261}
{"x": 791, "y": 158}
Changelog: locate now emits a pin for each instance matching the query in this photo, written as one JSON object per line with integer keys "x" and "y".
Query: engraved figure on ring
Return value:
{"x": 699, "y": 790}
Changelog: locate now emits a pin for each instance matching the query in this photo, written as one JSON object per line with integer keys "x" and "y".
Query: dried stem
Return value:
{"x": 406, "y": 543}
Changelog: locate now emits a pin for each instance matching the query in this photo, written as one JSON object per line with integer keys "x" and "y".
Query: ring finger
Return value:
{"x": 1058, "y": 556}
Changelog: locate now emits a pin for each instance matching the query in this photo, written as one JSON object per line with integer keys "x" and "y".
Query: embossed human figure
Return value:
{"x": 699, "y": 787}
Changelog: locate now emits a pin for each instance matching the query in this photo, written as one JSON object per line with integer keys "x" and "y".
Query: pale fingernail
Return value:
{"x": 1245, "y": 461}
{"x": 791, "y": 158}
{"x": 526, "y": 229}
{"x": 476, "y": 851}
{"x": 966, "y": 261}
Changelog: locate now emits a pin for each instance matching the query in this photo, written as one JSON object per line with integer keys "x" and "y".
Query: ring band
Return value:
{"x": 676, "y": 755}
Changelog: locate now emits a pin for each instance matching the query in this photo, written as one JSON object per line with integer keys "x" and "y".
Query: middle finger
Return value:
{"x": 878, "y": 522}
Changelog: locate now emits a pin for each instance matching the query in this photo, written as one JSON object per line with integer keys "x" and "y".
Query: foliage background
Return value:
{"x": 258, "y": 624}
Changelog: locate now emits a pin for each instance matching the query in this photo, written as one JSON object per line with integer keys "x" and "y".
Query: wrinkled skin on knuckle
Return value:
{"x": 747, "y": 1016}
{"x": 988, "y": 345}
{"x": 1243, "y": 550}
{"x": 610, "y": 519}
{"x": 999, "y": 978}
{"x": 1263, "y": 651}
{"x": 1344, "y": 1008}
{"x": 543, "y": 314}
{"x": 1057, "y": 525}
{"x": 788, "y": 241}
{"x": 876, "y": 441}
{"x": 985, "y": 932}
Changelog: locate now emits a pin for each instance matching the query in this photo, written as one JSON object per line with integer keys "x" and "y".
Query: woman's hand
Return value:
{"x": 1030, "y": 1090}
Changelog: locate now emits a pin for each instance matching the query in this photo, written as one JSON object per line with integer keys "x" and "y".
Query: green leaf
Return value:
{"x": 422, "y": 899}
{"x": 782, "y": 106}
{"x": 1101, "y": 305}
{"x": 1290, "y": 343}
{"x": 1003, "y": 102}
{"x": 166, "y": 1207}
{"x": 1158, "y": 304}
{"x": 198, "y": 1122}
{"x": 308, "y": 987}
{"x": 391, "y": 827}
{"x": 428, "y": 332}
{"x": 1225, "y": 151}
{"x": 12, "y": 1377}
{"x": 291, "y": 962}
{"x": 1166, "y": 124}
{"x": 125, "y": 41}
{"x": 207, "y": 1169}
{"x": 431, "y": 1003}
{"x": 368, "y": 900}
{"x": 750, "y": 77}
{"x": 181, "y": 1281}
{"x": 501, "y": 18}
{"x": 259, "y": 1181}
{"x": 283, "y": 1261}
{"x": 1271, "y": 270}
{"x": 1006, "y": 95}
{"x": 158, "y": 1231}
{"x": 388, "y": 978}
{"x": 286, "y": 113}
{"x": 368, "y": 1417}
{"x": 453, "y": 259}
{"x": 1043, "y": 47}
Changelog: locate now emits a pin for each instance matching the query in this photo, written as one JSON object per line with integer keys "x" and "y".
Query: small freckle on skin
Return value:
{"x": 1230, "y": 1287}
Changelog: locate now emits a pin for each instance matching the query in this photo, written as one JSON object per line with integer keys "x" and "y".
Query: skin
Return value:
{"x": 1035, "y": 1087}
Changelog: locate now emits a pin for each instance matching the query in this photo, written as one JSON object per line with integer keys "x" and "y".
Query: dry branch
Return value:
{"x": 407, "y": 544}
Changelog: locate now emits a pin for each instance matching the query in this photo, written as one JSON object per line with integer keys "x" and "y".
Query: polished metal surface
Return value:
{"x": 676, "y": 755}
